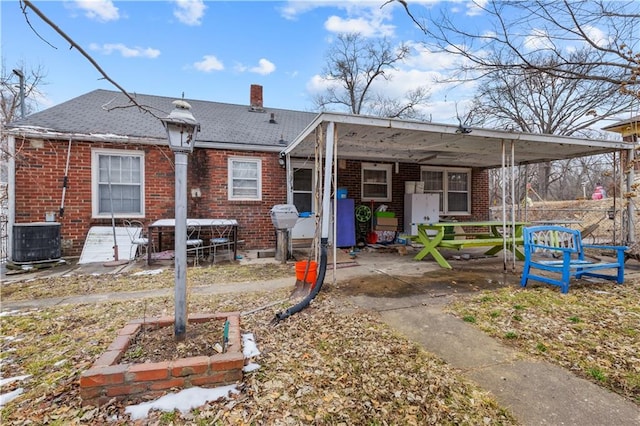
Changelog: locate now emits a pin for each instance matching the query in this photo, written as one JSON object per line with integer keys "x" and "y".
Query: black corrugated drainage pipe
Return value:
{"x": 322, "y": 268}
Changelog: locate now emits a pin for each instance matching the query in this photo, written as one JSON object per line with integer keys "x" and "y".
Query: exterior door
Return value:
{"x": 304, "y": 200}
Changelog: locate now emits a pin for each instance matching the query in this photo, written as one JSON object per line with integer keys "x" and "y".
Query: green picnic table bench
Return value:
{"x": 441, "y": 235}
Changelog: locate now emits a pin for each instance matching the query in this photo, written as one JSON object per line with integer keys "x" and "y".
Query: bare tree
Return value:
{"x": 533, "y": 101}
{"x": 33, "y": 79}
{"x": 522, "y": 30}
{"x": 353, "y": 64}
{"x": 10, "y": 98}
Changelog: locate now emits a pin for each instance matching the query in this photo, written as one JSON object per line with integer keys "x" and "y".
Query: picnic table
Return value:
{"x": 496, "y": 235}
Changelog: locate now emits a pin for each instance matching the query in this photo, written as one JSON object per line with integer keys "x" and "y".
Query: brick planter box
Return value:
{"x": 107, "y": 379}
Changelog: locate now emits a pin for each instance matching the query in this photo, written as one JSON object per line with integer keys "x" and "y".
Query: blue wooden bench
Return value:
{"x": 560, "y": 251}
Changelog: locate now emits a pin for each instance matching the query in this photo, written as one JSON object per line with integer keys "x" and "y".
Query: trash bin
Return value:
{"x": 284, "y": 216}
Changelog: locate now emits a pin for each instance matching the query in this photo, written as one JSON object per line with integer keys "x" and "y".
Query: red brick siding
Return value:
{"x": 350, "y": 178}
{"x": 41, "y": 166}
{"x": 40, "y": 172}
{"x": 480, "y": 198}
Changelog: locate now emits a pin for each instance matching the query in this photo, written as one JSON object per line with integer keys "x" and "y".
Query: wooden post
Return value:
{"x": 282, "y": 245}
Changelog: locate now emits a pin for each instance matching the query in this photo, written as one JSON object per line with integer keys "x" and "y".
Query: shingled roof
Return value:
{"x": 109, "y": 115}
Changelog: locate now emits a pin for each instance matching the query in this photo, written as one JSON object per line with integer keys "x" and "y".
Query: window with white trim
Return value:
{"x": 376, "y": 182}
{"x": 303, "y": 180}
{"x": 117, "y": 179}
{"x": 245, "y": 178}
{"x": 452, "y": 184}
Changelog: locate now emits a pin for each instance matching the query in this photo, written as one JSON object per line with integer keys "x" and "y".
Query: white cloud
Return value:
{"x": 125, "y": 51}
{"x": 538, "y": 40}
{"x": 189, "y": 12}
{"x": 363, "y": 16}
{"x": 364, "y": 26}
{"x": 264, "y": 67}
{"x": 100, "y": 10}
{"x": 240, "y": 67}
{"x": 292, "y": 9}
{"x": 209, "y": 63}
{"x": 476, "y": 7}
{"x": 423, "y": 58}
{"x": 596, "y": 35}
{"x": 318, "y": 84}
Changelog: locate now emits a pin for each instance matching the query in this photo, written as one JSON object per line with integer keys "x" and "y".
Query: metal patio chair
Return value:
{"x": 194, "y": 242}
{"x": 139, "y": 239}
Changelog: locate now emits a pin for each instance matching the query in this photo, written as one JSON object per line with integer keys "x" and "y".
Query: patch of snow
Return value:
{"x": 184, "y": 400}
{"x": 252, "y": 366}
{"x": 108, "y": 136}
{"x": 10, "y": 396}
{"x": 249, "y": 348}
{"x": 8, "y": 313}
{"x": 149, "y": 272}
{"x": 8, "y": 380}
{"x": 60, "y": 363}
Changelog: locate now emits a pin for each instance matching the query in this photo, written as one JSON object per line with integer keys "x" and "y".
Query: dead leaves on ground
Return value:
{"x": 594, "y": 330}
{"x": 324, "y": 365}
{"x": 72, "y": 284}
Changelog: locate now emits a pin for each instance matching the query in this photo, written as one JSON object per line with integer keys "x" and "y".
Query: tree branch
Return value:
{"x": 75, "y": 45}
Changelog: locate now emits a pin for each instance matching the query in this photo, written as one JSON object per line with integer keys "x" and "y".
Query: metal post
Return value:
{"x": 20, "y": 75}
{"x": 180, "y": 324}
{"x": 631, "y": 235}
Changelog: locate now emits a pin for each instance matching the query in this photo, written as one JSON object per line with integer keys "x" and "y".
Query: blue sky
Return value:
{"x": 214, "y": 50}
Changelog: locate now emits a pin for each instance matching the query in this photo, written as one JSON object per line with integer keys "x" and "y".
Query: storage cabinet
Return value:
{"x": 346, "y": 223}
{"x": 420, "y": 208}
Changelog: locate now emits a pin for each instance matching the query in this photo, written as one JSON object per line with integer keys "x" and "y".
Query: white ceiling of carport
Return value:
{"x": 382, "y": 139}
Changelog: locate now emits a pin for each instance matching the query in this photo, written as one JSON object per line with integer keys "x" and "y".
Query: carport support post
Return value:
{"x": 631, "y": 235}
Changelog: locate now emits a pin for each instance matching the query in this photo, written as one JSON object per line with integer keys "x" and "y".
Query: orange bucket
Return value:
{"x": 301, "y": 267}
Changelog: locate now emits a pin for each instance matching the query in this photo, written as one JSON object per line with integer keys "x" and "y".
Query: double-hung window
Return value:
{"x": 452, "y": 184}
{"x": 245, "y": 178}
{"x": 376, "y": 182}
{"x": 117, "y": 183}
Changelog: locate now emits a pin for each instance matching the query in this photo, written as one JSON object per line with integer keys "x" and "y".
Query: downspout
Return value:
{"x": 324, "y": 239}
{"x": 65, "y": 179}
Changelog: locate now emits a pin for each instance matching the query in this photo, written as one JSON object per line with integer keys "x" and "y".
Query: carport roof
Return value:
{"x": 383, "y": 139}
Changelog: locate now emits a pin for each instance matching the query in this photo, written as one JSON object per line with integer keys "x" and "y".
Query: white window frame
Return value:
{"x": 95, "y": 182}
{"x": 297, "y": 164}
{"x": 376, "y": 166}
{"x": 445, "y": 190}
{"x": 230, "y": 162}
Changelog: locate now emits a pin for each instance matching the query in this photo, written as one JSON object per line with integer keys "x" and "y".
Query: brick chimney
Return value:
{"x": 256, "y": 97}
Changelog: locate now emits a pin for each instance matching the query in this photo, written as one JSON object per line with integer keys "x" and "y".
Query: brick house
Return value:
{"x": 247, "y": 158}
